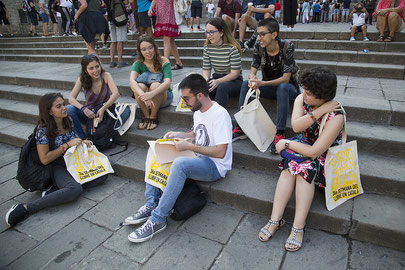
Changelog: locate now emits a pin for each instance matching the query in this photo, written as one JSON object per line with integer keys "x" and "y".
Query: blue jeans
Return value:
{"x": 78, "y": 117}
{"x": 283, "y": 93}
{"x": 197, "y": 168}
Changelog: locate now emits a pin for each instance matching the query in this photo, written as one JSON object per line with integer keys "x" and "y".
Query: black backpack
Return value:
{"x": 104, "y": 136}
{"x": 117, "y": 12}
{"x": 190, "y": 201}
{"x": 32, "y": 175}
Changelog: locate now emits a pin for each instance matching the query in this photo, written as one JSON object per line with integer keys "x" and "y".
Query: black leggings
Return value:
{"x": 67, "y": 188}
{"x": 66, "y": 19}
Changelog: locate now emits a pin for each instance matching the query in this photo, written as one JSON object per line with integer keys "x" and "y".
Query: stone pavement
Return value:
{"x": 85, "y": 234}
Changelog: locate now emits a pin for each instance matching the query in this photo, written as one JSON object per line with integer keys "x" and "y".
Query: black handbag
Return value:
{"x": 190, "y": 201}
{"x": 148, "y": 78}
{"x": 32, "y": 175}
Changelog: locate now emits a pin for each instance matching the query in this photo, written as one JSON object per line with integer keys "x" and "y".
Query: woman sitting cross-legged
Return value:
{"x": 100, "y": 93}
{"x": 222, "y": 54}
{"x": 151, "y": 95}
{"x": 54, "y": 125}
{"x": 316, "y": 100}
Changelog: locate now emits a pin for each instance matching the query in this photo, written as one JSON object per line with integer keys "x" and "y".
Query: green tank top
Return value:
{"x": 93, "y": 5}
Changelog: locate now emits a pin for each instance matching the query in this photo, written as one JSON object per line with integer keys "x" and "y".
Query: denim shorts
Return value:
{"x": 169, "y": 99}
{"x": 44, "y": 17}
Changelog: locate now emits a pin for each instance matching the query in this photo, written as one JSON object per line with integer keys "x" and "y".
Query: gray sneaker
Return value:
{"x": 113, "y": 64}
{"x": 146, "y": 231}
{"x": 141, "y": 216}
{"x": 123, "y": 64}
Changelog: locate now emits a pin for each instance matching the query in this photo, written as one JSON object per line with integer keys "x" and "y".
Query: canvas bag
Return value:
{"x": 255, "y": 122}
{"x": 342, "y": 174}
{"x": 86, "y": 163}
{"x": 124, "y": 116}
{"x": 180, "y": 9}
{"x": 159, "y": 159}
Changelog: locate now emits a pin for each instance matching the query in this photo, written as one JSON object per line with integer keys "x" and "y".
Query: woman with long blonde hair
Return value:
{"x": 222, "y": 53}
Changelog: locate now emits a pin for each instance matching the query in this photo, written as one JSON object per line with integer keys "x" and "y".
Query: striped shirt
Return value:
{"x": 222, "y": 58}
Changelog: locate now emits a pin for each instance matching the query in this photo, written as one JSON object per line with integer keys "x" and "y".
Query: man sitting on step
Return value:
{"x": 212, "y": 136}
{"x": 230, "y": 11}
{"x": 276, "y": 59}
{"x": 390, "y": 18}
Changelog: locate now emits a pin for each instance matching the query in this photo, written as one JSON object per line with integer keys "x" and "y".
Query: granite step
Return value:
{"x": 340, "y": 68}
{"x": 394, "y": 58}
{"x": 344, "y": 45}
{"x": 369, "y": 217}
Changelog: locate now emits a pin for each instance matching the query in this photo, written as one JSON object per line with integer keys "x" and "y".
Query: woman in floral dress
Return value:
{"x": 319, "y": 89}
{"x": 166, "y": 26}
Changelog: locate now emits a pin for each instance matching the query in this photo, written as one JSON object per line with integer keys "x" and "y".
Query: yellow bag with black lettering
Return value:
{"x": 159, "y": 159}
{"x": 342, "y": 173}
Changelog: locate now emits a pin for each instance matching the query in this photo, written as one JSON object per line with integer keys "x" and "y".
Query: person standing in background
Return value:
{"x": 370, "y": 6}
{"x": 196, "y": 12}
{"x": 210, "y": 9}
{"x": 289, "y": 14}
{"x": 4, "y": 19}
{"x": 43, "y": 12}
{"x": 277, "y": 13}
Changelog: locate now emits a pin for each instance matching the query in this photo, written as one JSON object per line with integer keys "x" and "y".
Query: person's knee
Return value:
{"x": 283, "y": 91}
{"x": 154, "y": 86}
{"x": 74, "y": 192}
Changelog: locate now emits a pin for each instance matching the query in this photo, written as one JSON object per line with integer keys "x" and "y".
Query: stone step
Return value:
{"x": 340, "y": 68}
{"x": 395, "y": 58}
{"x": 374, "y": 167}
{"x": 344, "y": 45}
{"x": 312, "y": 35}
{"x": 363, "y": 218}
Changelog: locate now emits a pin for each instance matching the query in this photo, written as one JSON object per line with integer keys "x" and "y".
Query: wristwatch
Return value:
{"x": 312, "y": 116}
{"x": 287, "y": 144}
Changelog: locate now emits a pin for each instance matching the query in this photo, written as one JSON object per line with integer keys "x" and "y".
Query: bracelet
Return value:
{"x": 312, "y": 116}
{"x": 83, "y": 108}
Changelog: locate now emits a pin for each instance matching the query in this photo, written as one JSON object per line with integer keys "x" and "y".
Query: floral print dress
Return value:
{"x": 311, "y": 170}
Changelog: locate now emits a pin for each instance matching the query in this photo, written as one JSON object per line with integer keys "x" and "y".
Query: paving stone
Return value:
{"x": 394, "y": 94}
{"x": 14, "y": 244}
{"x": 102, "y": 258}
{"x": 245, "y": 251}
{"x": 380, "y": 220}
{"x": 139, "y": 252}
{"x": 365, "y": 256}
{"x": 99, "y": 193}
{"x": 398, "y": 113}
{"x": 10, "y": 189}
{"x": 49, "y": 221}
{"x": 389, "y": 84}
{"x": 68, "y": 246}
{"x": 121, "y": 204}
{"x": 361, "y": 92}
{"x": 366, "y": 83}
{"x": 214, "y": 222}
{"x": 320, "y": 250}
{"x": 7, "y": 172}
{"x": 185, "y": 251}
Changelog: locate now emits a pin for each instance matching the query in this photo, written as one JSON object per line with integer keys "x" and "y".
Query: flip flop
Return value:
{"x": 177, "y": 66}
{"x": 389, "y": 39}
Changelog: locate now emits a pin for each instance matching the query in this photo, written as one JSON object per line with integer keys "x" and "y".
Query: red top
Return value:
{"x": 277, "y": 6}
{"x": 383, "y": 4}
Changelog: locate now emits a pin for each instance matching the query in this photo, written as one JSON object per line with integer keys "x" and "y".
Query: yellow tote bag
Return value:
{"x": 86, "y": 164}
{"x": 342, "y": 173}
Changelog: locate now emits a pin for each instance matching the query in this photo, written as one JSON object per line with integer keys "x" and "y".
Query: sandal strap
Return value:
{"x": 297, "y": 230}
{"x": 294, "y": 242}
{"x": 266, "y": 232}
{"x": 293, "y": 239}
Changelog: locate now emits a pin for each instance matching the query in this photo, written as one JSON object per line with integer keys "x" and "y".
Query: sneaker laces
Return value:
{"x": 149, "y": 224}
{"x": 142, "y": 210}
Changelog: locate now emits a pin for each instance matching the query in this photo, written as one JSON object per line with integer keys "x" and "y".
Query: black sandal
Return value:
{"x": 177, "y": 66}
{"x": 144, "y": 121}
{"x": 152, "y": 121}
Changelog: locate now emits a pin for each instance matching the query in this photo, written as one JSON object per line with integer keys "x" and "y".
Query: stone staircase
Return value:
{"x": 375, "y": 111}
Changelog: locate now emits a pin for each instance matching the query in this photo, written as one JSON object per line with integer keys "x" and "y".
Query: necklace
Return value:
{"x": 272, "y": 59}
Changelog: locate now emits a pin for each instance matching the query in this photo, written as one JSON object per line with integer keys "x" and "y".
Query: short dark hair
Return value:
{"x": 271, "y": 24}
{"x": 320, "y": 81}
{"x": 196, "y": 83}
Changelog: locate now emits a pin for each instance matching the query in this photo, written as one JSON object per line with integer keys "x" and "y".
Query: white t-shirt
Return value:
{"x": 214, "y": 127}
{"x": 359, "y": 20}
{"x": 210, "y": 7}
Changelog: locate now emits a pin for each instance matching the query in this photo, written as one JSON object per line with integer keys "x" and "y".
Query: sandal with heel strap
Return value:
{"x": 152, "y": 121}
{"x": 265, "y": 229}
{"x": 144, "y": 122}
{"x": 380, "y": 38}
{"x": 293, "y": 240}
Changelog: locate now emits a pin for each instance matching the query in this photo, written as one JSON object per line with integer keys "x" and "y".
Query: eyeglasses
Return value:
{"x": 263, "y": 34}
{"x": 150, "y": 48}
{"x": 211, "y": 33}
{"x": 187, "y": 98}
